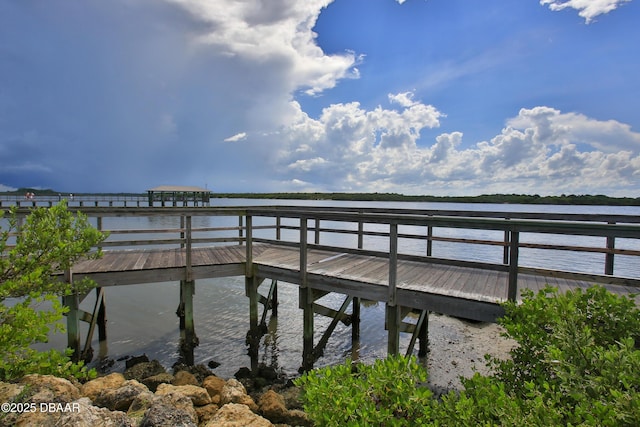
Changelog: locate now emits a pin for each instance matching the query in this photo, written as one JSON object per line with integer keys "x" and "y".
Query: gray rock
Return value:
{"x": 170, "y": 411}
{"x": 237, "y": 415}
{"x": 154, "y": 381}
{"x": 144, "y": 370}
{"x": 120, "y": 399}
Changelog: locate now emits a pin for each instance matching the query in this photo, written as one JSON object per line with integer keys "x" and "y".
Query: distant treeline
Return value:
{"x": 564, "y": 199}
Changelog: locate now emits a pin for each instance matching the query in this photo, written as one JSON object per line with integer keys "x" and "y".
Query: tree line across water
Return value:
{"x": 563, "y": 199}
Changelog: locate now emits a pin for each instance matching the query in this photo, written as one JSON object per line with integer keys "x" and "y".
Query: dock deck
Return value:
{"x": 465, "y": 292}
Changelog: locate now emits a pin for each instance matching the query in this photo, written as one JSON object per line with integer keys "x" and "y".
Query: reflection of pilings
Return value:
{"x": 271, "y": 343}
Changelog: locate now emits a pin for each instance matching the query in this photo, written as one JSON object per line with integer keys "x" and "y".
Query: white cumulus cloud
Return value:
{"x": 541, "y": 150}
{"x": 588, "y": 9}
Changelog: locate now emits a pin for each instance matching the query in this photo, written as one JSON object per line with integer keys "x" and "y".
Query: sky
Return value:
{"x": 438, "y": 97}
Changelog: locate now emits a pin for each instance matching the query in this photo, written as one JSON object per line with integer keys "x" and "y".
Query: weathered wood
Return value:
{"x": 319, "y": 349}
{"x": 393, "y": 326}
{"x": 419, "y": 331}
{"x": 462, "y": 288}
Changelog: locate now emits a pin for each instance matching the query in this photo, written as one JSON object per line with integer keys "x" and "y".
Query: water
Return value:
{"x": 142, "y": 319}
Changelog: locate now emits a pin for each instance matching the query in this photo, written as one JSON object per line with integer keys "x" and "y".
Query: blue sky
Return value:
{"x": 444, "y": 97}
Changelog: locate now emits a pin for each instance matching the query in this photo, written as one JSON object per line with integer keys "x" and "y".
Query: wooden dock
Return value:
{"x": 291, "y": 244}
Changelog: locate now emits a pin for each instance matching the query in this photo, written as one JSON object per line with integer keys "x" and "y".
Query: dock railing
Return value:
{"x": 386, "y": 224}
{"x": 386, "y": 233}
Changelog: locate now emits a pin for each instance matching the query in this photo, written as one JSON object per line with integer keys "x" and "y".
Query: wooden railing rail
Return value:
{"x": 309, "y": 227}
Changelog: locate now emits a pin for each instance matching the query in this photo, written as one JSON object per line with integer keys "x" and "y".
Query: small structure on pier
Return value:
{"x": 174, "y": 195}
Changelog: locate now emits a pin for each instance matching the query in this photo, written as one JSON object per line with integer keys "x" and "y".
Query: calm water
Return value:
{"x": 142, "y": 319}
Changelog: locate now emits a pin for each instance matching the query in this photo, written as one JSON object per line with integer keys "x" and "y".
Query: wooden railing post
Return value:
{"x": 249, "y": 249}
{"x": 608, "y": 260}
{"x": 240, "y": 229}
{"x": 393, "y": 311}
{"x": 429, "y": 240}
{"x": 505, "y": 249}
{"x": 73, "y": 318}
{"x": 306, "y": 301}
{"x": 188, "y": 248}
{"x": 514, "y": 247}
{"x": 278, "y": 227}
{"x": 303, "y": 252}
{"x": 317, "y": 231}
{"x": 360, "y": 232}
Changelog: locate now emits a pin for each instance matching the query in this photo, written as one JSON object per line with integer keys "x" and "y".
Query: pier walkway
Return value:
{"x": 385, "y": 255}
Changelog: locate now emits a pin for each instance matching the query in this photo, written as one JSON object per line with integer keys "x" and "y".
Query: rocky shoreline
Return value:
{"x": 146, "y": 395}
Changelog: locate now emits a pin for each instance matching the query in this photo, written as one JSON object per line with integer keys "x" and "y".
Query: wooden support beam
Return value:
{"x": 329, "y": 312}
{"x": 188, "y": 290}
{"x": 254, "y": 335}
{"x": 319, "y": 349}
{"x": 87, "y": 352}
{"x": 102, "y": 321}
{"x": 423, "y": 348}
{"x": 73, "y": 325}
{"x": 418, "y": 329}
{"x": 274, "y": 298}
{"x": 73, "y": 318}
{"x": 306, "y": 302}
{"x": 268, "y": 302}
{"x": 355, "y": 321}
{"x": 393, "y": 324}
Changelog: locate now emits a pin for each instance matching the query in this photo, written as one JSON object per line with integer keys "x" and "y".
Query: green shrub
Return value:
{"x": 576, "y": 362}
{"x": 387, "y": 393}
{"x": 50, "y": 240}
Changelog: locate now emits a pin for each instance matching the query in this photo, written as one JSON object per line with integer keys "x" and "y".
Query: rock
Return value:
{"x": 199, "y": 371}
{"x": 234, "y": 392}
{"x": 206, "y": 412}
{"x": 92, "y": 389}
{"x": 169, "y": 411}
{"x": 8, "y": 391}
{"x": 214, "y": 387}
{"x": 47, "y": 388}
{"x": 139, "y": 406}
{"x": 88, "y": 415}
{"x": 291, "y": 397}
{"x": 80, "y": 413}
{"x": 198, "y": 395}
{"x": 184, "y": 378}
{"x": 296, "y": 417}
{"x": 120, "y": 399}
{"x": 154, "y": 381}
{"x": 134, "y": 360}
{"x": 237, "y": 415}
{"x": 271, "y": 405}
{"x": 268, "y": 373}
{"x": 144, "y": 370}
{"x": 243, "y": 372}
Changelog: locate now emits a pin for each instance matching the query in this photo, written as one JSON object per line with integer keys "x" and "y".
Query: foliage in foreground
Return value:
{"x": 577, "y": 362}
{"x": 386, "y": 393}
{"x": 48, "y": 241}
